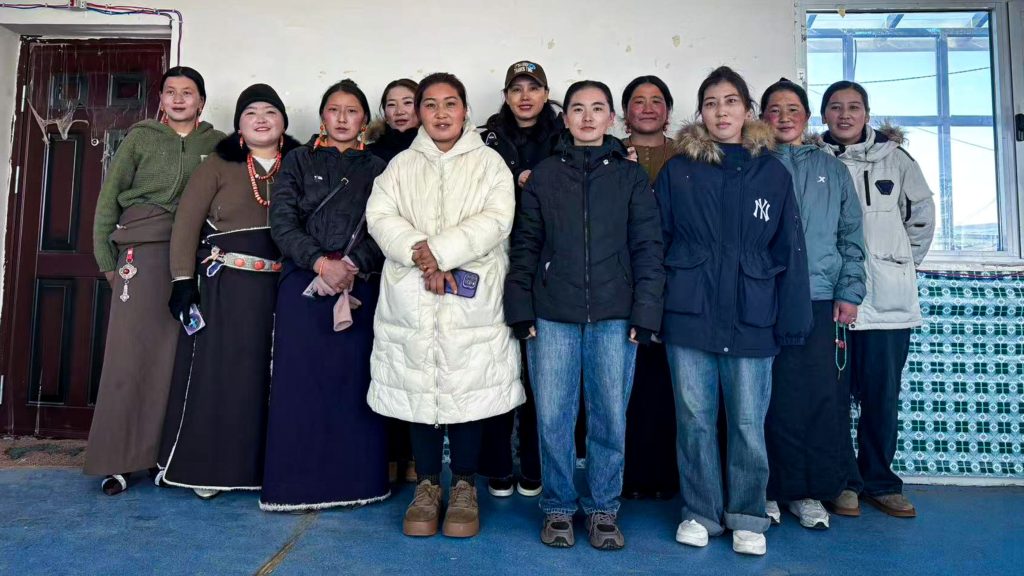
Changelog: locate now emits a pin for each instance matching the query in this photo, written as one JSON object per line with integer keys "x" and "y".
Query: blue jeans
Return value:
{"x": 746, "y": 385}
{"x": 603, "y": 351}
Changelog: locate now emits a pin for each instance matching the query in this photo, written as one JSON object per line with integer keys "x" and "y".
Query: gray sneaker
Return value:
{"x": 604, "y": 532}
{"x": 557, "y": 531}
{"x": 894, "y": 505}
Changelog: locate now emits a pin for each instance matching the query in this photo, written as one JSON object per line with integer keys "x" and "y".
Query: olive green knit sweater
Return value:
{"x": 151, "y": 166}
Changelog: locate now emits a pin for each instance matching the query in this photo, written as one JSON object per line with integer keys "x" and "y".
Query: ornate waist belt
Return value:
{"x": 239, "y": 261}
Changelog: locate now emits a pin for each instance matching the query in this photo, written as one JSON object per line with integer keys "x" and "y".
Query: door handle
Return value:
{"x": 1018, "y": 121}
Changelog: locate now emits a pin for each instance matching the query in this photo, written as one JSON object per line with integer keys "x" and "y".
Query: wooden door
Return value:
{"x": 79, "y": 99}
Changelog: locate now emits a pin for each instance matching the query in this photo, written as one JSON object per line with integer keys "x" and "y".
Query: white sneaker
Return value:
{"x": 771, "y": 508}
{"x": 692, "y": 533}
{"x": 745, "y": 542}
{"x": 810, "y": 512}
{"x": 205, "y": 493}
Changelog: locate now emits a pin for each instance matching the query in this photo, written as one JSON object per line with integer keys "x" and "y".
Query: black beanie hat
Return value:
{"x": 259, "y": 93}
{"x": 789, "y": 86}
{"x": 186, "y": 72}
{"x": 843, "y": 85}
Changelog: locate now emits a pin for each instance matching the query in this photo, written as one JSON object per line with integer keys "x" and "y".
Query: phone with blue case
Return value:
{"x": 466, "y": 281}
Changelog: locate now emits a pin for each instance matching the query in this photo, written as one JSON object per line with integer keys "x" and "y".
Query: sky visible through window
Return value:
{"x": 931, "y": 74}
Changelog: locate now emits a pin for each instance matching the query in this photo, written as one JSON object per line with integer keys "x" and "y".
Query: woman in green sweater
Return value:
{"x": 131, "y": 235}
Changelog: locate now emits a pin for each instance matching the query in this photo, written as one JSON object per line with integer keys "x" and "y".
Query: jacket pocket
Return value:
{"x": 892, "y": 284}
{"x": 758, "y": 304}
{"x": 685, "y": 287}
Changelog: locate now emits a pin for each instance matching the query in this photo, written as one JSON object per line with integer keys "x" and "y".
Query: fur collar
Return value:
{"x": 374, "y": 130}
{"x": 694, "y": 141}
{"x": 229, "y": 150}
{"x": 893, "y": 132}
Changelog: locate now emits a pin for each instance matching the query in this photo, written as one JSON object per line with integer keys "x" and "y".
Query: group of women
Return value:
{"x": 403, "y": 282}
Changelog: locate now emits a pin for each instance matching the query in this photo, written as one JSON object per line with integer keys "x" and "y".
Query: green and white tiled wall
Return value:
{"x": 962, "y": 402}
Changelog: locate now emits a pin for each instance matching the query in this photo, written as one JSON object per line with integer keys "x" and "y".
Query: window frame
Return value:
{"x": 1006, "y": 25}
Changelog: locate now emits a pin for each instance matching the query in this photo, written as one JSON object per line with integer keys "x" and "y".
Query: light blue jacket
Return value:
{"x": 832, "y": 221}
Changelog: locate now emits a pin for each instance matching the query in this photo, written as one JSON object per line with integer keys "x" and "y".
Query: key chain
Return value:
{"x": 840, "y": 348}
{"x": 127, "y": 272}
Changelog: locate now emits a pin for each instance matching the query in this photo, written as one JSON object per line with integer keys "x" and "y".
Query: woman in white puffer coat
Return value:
{"x": 444, "y": 205}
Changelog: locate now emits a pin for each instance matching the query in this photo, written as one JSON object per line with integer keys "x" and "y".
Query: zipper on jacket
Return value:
{"x": 586, "y": 230}
{"x": 867, "y": 188}
{"x": 437, "y": 304}
{"x": 181, "y": 167}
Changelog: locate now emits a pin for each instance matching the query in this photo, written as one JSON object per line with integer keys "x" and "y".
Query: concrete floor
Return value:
{"x": 56, "y": 521}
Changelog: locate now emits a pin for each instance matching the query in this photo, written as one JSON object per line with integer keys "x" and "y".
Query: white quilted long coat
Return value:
{"x": 443, "y": 359}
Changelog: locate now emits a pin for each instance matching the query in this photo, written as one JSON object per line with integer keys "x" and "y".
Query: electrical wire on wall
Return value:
{"x": 173, "y": 16}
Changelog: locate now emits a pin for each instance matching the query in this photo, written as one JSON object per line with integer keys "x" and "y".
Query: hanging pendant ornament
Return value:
{"x": 127, "y": 272}
{"x": 255, "y": 179}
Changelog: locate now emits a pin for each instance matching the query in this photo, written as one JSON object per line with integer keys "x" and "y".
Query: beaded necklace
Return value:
{"x": 254, "y": 178}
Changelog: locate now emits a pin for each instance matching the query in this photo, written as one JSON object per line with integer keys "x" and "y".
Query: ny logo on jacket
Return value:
{"x": 761, "y": 207}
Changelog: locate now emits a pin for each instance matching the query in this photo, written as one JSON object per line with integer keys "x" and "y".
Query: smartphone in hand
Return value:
{"x": 466, "y": 281}
{"x": 194, "y": 322}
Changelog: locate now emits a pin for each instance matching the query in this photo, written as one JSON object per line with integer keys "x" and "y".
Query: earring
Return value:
{"x": 321, "y": 141}
{"x": 280, "y": 142}
{"x": 162, "y": 116}
{"x": 241, "y": 141}
{"x": 198, "y": 114}
{"x": 362, "y": 137}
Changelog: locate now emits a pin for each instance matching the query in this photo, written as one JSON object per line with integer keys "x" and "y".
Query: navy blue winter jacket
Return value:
{"x": 735, "y": 258}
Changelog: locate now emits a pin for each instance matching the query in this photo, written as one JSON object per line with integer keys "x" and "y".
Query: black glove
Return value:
{"x": 184, "y": 293}
{"x": 521, "y": 330}
{"x": 644, "y": 336}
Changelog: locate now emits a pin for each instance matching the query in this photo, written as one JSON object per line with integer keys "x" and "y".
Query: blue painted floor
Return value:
{"x": 58, "y": 522}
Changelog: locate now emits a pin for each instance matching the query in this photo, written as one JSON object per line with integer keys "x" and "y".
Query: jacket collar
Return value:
{"x": 877, "y": 144}
{"x": 229, "y": 150}
{"x": 589, "y": 156}
{"x": 694, "y": 141}
{"x": 466, "y": 143}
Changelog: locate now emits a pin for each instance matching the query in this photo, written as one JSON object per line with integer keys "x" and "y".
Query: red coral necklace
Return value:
{"x": 255, "y": 179}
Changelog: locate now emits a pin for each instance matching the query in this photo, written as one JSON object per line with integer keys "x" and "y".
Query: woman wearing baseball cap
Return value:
{"x": 524, "y": 131}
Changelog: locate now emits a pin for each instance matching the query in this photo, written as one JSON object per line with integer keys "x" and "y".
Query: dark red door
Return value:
{"x": 80, "y": 97}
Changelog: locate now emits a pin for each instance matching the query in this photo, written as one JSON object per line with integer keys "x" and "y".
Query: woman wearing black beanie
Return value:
{"x": 214, "y": 430}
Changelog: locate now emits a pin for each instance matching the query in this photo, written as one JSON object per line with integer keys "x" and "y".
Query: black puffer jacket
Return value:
{"x": 308, "y": 176}
{"x": 587, "y": 244}
{"x": 522, "y": 149}
{"x": 386, "y": 142}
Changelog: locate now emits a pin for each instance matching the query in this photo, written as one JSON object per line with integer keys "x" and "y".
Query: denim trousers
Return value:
{"x": 746, "y": 385}
{"x": 606, "y": 357}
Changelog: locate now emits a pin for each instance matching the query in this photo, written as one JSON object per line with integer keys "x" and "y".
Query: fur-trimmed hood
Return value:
{"x": 877, "y": 144}
{"x": 694, "y": 141}
{"x": 229, "y": 150}
{"x": 374, "y": 130}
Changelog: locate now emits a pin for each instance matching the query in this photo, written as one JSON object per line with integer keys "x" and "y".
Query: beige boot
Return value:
{"x": 422, "y": 514}
{"x": 462, "y": 520}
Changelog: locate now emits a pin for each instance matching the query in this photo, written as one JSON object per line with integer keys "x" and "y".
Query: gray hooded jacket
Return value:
{"x": 832, "y": 220}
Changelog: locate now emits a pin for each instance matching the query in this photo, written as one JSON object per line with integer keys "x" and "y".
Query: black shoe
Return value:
{"x": 500, "y": 487}
{"x": 529, "y": 488}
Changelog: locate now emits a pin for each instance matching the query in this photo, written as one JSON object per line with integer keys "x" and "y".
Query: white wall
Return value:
{"x": 302, "y": 46}
{"x": 8, "y": 87}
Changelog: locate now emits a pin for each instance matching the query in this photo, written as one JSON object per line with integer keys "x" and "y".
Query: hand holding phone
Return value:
{"x": 194, "y": 323}
{"x": 466, "y": 282}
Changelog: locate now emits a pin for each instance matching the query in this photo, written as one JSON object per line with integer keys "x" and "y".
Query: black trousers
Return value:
{"x": 651, "y": 427}
{"x": 876, "y": 370}
{"x": 807, "y": 431}
{"x": 496, "y": 449}
{"x": 463, "y": 447}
